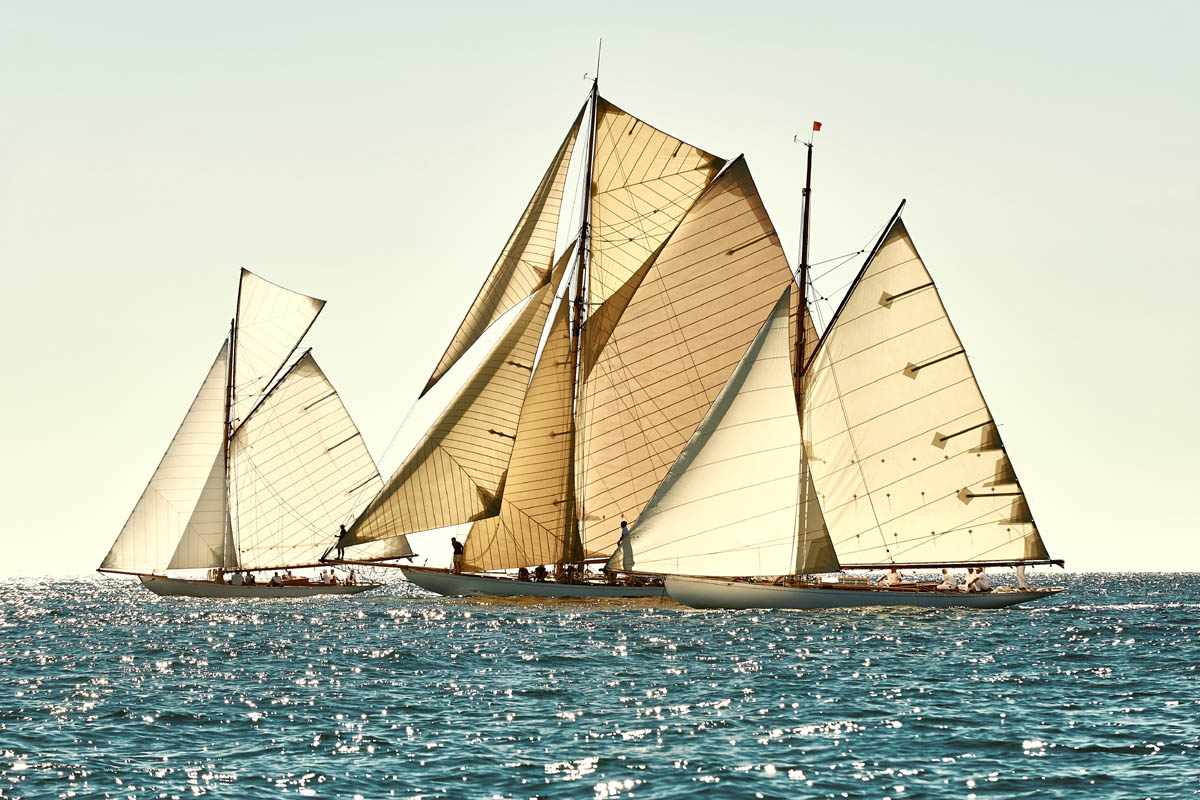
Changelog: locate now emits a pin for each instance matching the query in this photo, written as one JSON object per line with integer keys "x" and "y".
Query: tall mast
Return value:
{"x": 800, "y": 343}
{"x": 227, "y": 537}
{"x": 572, "y": 533}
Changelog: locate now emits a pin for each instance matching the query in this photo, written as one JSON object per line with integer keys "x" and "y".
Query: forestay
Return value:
{"x": 729, "y": 504}
{"x": 298, "y": 469}
{"x": 175, "y": 501}
{"x": 905, "y": 455}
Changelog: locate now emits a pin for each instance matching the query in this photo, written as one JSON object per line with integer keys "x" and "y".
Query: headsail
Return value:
{"x": 524, "y": 263}
{"x": 644, "y": 181}
{"x": 298, "y": 469}
{"x": 690, "y": 314}
{"x": 532, "y": 523}
{"x": 456, "y": 473}
{"x": 905, "y": 456}
{"x": 271, "y": 321}
{"x": 174, "y": 502}
{"x": 729, "y": 504}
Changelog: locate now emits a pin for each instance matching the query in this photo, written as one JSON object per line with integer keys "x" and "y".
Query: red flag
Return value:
{"x": 816, "y": 126}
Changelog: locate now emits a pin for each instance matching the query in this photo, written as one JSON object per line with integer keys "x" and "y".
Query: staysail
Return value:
{"x": 271, "y": 321}
{"x": 728, "y": 506}
{"x": 178, "y": 497}
{"x": 531, "y": 527}
{"x": 905, "y": 455}
{"x": 644, "y": 181}
{"x": 689, "y": 315}
{"x": 524, "y": 263}
{"x": 456, "y": 474}
{"x": 298, "y": 470}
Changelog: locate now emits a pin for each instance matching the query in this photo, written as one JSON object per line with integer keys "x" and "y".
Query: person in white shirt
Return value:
{"x": 1021, "y": 584}
{"x": 892, "y": 578}
{"x": 949, "y": 582}
{"x": 236, "y": 580}
{"x": 324, "y": 576}
{"x": 276, "y": 580}
{"x": 982, "y": 584}
{"x": 966, "y": 586}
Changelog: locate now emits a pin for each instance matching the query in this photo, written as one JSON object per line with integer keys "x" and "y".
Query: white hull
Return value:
{"x": 475, "y": 585}
{"x": 181, "y": 587}
{"x": 716, "y": 593}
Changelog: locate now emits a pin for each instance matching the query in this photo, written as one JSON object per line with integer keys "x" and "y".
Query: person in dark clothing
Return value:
{"x": 457, "y": 562}
{"x": 341, "y": 546}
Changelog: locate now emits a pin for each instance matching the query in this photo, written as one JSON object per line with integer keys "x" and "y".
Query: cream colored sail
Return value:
{"x": 905, "y": 455}
{"x": 531, "y": 527}
{"x": 729, "y": 505}
{"x": 271, "y": 321}
{"x": 644, "y": 181}
{"x": 172, "y": 502}
{"x": 689, "y": 317}
{"x": 205, "y": 540}
{"x": 298, "y": 470}
{"x": 456, "y": 474}
{"x": 524, "y": 263}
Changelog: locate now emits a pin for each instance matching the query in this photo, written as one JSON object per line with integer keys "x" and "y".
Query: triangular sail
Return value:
{"x": 523, "y": 264}
{"x": 298, "y": 469}
{"x": 456, "y": 473}
{"x": 172, "y": 498}
{"x": 693, "y": 312}
{"x": 905, "y": 456}
{"x": 643, "y": 182}
{"x": 532, "y": 524}
{"x": 271, "y": 321}
{"x": 729, "y": 504}
{"x": 202, "y": 545}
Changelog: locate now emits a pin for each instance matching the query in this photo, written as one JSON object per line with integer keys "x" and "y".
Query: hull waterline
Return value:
{"x": 181, "y": 587}
{"x": 476, "y": 585}
{"x": 716, "y": 593}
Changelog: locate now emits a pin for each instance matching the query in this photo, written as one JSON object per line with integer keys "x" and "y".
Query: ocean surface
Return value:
{"x": 109, "y": 691}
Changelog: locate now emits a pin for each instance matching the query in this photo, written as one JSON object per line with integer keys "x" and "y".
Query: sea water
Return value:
{"x": 109, "y": 691}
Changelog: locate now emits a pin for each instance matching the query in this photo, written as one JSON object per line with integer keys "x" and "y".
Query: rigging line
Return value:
{"x": 922, "y": 539}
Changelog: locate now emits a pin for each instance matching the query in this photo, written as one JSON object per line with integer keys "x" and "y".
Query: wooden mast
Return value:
{"x": 227, "y": 537}
{"x": 801, "y": 319}
{"x": 572, "y": 542}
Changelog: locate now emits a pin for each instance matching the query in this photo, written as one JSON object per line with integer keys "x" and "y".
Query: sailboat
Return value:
{"x": 883, "y": 455}
{"x": 261, "y": 472}
{"x": 612, "y": 351}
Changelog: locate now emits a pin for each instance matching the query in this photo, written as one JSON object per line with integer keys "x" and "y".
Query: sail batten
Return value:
{"x": 905, "y": 455}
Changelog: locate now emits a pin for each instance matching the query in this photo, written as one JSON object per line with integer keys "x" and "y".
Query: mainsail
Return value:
{"x": 524, "y": 263}
{"x": 298, "y": 469}
{"x": 730, "y": 504}
{"x": 905, "y": 455}
{"x": 456, "y": 473}
{"x": 688, "y": 315}
{"x": 174, "y": 502}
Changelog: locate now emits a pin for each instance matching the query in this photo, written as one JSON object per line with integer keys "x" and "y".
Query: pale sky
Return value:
{"x": 377, "y": 155}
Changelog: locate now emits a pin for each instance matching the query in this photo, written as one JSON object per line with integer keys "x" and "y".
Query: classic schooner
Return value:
{"x": 260, "y": 472}
{"x": 640, "y": 320}
{"x": 884, "y": 455}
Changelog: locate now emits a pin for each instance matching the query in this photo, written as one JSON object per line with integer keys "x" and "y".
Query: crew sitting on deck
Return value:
{"x": 523, "y": 574}
{"x": 237, "y": 579}
{"x": 276, "y": 580}
{"x": 539, "y": 574}
{"x": 980, "y": 582}
{"x": 353, "y": 579}
{"x": 948, "y": 581}
{"x": 250, "y": 579}
{"x": 892, "y": 578}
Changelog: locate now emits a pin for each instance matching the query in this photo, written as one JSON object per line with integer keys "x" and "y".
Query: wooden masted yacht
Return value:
{"x": 614, "y": 348}
{"x": 260, "y": 473}
{"x": 869, "y": 449}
